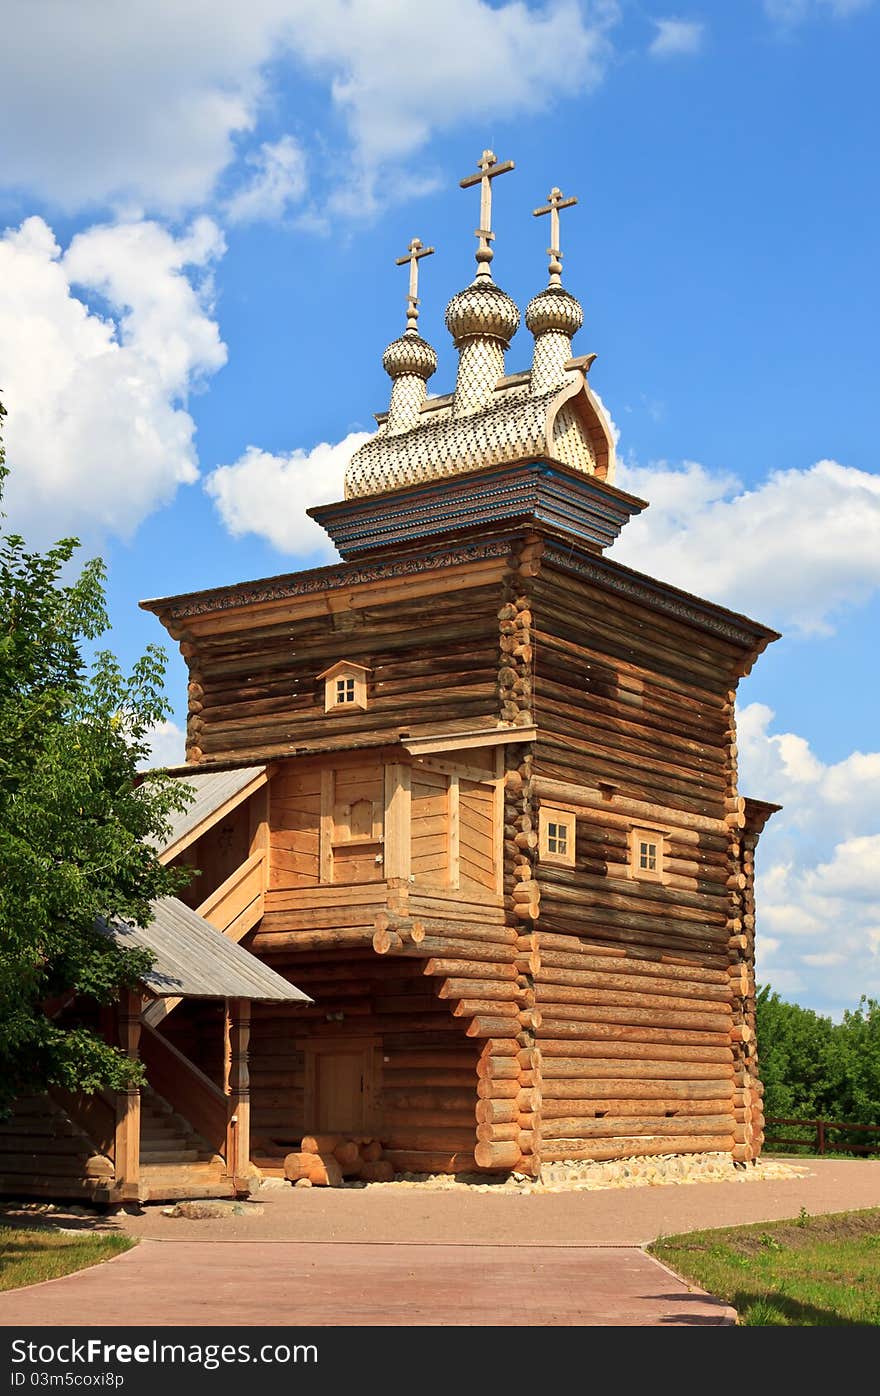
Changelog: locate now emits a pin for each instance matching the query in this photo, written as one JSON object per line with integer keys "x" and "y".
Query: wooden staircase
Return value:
{"x": 175, "y": 1162}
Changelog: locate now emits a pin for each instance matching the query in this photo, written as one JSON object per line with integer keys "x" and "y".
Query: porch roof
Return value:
{"x": 215, "y": 794}
{"x": 192, "y": 959}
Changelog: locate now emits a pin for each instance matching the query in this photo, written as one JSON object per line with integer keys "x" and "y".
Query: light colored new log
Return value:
{"x": 701, "y": 1054}
{"x": 622, "y": 995}
{"x": 496, "y": 990}
{"x": 501, "y": 1156}
{"x": 660, "y": 1110}
{"x": 637, "y": 1148}
{"x": 629, "y": 1013}
{"x": 628, "y": 1127}
{"x": 466, "y": 969}
{"x": 485, "y": 1026}
{"x": 495, "y": 1008}
{"x": 498, "y": 1089}
{"x": 617, "y": 1032}
{"x": 621, "y": 1087}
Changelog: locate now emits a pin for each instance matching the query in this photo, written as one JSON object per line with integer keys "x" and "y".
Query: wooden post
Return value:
{"x": 238, "y": 1093}
{"x": 127, "y": 1143}
{"x": 820, "y": 1131}
{"x": 397, "y": 822}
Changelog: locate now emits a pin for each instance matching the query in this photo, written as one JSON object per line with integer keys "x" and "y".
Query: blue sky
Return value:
{"x": 203, "y": 203}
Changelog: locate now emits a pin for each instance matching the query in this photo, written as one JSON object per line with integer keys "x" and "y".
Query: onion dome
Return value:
{"x": 410, "y": 354}
{"x": 482, "y": 310}
{"x": 554, "y": 308}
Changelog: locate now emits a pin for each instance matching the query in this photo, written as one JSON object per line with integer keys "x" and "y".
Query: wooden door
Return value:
{"x": 342, "y": 1090}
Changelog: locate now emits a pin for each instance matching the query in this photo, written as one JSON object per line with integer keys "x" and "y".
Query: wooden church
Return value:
{"x": 473, "y": 791}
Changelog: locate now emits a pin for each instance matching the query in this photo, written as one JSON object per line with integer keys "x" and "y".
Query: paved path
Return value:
{"x": 209, "y": 1283}
{"x": 410, "y": 1256}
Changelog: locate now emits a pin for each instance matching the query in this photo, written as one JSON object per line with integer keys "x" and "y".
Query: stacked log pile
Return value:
{"x": 324, "y": 1160}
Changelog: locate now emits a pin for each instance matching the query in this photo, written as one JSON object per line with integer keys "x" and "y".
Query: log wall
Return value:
{"x": 639, "y": 1028}
{"x": 429, "y": 644}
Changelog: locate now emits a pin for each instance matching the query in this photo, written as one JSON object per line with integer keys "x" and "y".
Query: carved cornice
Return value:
{"x": 321, "y": 579}
{"x": 738, "y": 629}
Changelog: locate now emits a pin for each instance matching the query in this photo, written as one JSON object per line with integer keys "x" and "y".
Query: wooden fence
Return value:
{"x": 821, "y": 1129}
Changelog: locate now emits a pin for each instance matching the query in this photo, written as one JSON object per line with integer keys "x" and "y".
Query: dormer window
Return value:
{"x": 345, "y": 686}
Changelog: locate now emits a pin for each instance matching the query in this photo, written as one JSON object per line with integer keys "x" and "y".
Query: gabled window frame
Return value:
{"x": 557, "y": 836}
{"x": 345, "y": 687}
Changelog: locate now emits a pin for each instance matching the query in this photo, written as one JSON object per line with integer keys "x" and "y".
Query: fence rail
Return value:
{"x": 822, "y": 1143}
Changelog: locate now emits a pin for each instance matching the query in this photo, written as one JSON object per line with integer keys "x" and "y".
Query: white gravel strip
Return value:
{"x": 663, "y": 1170}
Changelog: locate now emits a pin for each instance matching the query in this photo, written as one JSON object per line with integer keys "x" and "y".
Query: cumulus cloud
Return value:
{"x": 675, "y": 37}
{"x": 98, "y": 434}
{"x": 268, "y": 494}
{"x": 795, "y": 550}
{"x": 279, "y": 180}
{"x": 167, "y": 746}
{"x": 399, "y": 71}
{"x": 146, "y": 103}
{"x": 818, "y": 865}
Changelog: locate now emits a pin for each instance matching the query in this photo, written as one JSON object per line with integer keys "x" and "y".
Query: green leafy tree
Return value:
{"x": 77, "y": 826}
{"x": 814, "y": 1068}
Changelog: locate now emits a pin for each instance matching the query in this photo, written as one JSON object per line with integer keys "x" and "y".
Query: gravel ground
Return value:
{"x": 663, "y": 1170}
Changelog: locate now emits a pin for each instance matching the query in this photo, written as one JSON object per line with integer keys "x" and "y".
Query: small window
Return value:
{"x": 556, "y": 836}
{"x": 345, "y": 686}
{"x": 646, "y": 860}
{"x": 345, "y": 690}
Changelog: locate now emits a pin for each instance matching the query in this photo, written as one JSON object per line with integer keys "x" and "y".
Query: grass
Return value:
{"x": 29, "y": 1256}
{"x": 808, "y": 1272}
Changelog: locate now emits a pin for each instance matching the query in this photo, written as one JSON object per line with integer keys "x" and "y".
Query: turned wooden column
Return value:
{"x": 238, "y": 1092}
{"x": 127, "y": 1144}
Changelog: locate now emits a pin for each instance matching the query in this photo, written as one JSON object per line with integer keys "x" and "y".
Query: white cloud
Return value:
{"x": 818, "y": 890}
{"x": 279, "y": 180}
{"x": 268, "y": 494}
{"x": 143, "y": 104}
{"x": 399, "y": 71}
{"x": 794, "y": 550}
{"x": 97, "y": 434}
{"x": 675, "y": 37}
{"x": 167, "y": 746}
{"x": 792, "y": 12}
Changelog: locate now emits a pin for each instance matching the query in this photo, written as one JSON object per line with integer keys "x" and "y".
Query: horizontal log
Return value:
{"x": 501, "y": 1156}
{"x": 555, "y": 949}
{"x": 623, "y": 1148}
{"x": 485, "y": 1026}
{"x": 630, "y": 1013}
{"x": 623, "y": 996}
{"x": 468, "y": 969}
{"x": 618, "y": 1032}
{"x": 265, "y": 942}
{"x": 658, "y": 1109}
{"x": 619, "y": 980}
{"x": 634, "y": 1068}
{"x": 496, "y": 1008}
{"x": 634, "y": 1087}
{"x": 629, "y": 1127}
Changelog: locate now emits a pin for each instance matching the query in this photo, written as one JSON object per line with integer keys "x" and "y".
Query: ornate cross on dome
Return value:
{"x": 415, "y": 253}
{"x": 488, "y": 168}
{"x": 555, "y": 202}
